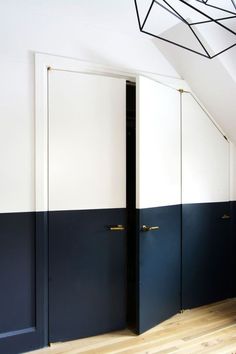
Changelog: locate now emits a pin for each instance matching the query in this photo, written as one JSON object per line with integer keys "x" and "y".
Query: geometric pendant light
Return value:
{"x": 204, "y": 27}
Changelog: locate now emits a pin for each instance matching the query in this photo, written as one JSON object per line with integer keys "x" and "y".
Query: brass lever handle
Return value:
{"x": 149, "y": 228}
{"x": 116, "y": 227}
{"x": 225, "y": 217}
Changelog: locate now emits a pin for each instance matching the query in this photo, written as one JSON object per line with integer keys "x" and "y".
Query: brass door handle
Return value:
{"x": 116, "y": 227}
{"x": 225, "y": 217}
{"x": 149, "y": 228}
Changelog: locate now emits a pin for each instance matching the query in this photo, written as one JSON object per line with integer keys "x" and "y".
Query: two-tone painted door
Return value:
{"x": 87, "y": 201}
{"x": 206, "y": 208}
{"x": 158, "y": 147}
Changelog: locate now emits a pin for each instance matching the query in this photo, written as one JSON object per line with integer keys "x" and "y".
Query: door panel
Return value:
{"x": 87, "y": 146}
{"x": 206, "y": 254}
{"x": 158, "y": 202}
{"x": 87, "y": 194}
{"x": 205, "y": 156}
{"x": 158, "y": 145}
{"x": 159, "y": 290}
{"x": 205, "y": 188}
{"x": 87, "y": 270}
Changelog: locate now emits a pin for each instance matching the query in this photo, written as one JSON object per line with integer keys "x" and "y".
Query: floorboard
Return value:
{"x": 208, "y": 329}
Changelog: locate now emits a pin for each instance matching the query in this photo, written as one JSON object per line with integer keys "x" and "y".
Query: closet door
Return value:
{"x": 205, "y": 218}
{"x": 158, "y": 203}
{"x": 87, "y": 201}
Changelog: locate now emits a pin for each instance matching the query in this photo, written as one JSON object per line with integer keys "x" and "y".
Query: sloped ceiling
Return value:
{"x": 212, "y": 80}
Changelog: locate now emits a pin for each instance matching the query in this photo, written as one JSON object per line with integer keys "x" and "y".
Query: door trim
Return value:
{"x": 44, "y": 63}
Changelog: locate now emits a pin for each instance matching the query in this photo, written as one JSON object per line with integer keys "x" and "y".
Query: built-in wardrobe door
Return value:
{"x": 205, "y": 211}
{"x": 158, "y": 202}
{"x": 87, "y": 201}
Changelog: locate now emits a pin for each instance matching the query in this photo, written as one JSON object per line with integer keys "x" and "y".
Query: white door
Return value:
{"x": 158, "y": 202}
{"x": 87, "y": 201}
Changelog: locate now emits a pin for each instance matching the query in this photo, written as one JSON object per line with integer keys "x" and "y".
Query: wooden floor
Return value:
{"x": 207, "y": 329}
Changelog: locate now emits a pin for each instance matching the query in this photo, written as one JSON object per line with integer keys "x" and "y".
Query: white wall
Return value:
{"x": 101, "y": 31}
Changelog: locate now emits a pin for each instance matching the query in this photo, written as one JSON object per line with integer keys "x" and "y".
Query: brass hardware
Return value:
{"x": 149, "y": 228}
{"x": 181, "y": 90}
{"x": 116, "y": 228}
{"x": 225, "y": 217}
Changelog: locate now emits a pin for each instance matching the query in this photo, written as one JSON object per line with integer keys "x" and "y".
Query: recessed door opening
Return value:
{"x": 131, "y": 203}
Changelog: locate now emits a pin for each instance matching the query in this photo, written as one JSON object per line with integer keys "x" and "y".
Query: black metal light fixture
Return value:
{"x": 204, "y": 27}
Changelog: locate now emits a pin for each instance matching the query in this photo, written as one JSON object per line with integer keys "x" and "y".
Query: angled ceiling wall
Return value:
{"x": 212, "y": 80}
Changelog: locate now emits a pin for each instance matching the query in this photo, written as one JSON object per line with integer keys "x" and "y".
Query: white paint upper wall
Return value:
{"x": 101, "y": 31}
{"x": 232, "y": 171}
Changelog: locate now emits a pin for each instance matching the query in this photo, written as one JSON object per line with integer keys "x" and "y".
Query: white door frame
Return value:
{"x": 43, "y": 64}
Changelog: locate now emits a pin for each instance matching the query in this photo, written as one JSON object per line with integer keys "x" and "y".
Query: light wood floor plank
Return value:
{"x": 209, "y": 329}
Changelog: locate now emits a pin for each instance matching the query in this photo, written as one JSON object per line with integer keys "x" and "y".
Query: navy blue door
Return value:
{"x": 206, "y": 253}
{"x": 158, "y": 203}
{"x": 159, "y": 266}
{"x": 87, "y": 273}
{"x": 87, "y": 205}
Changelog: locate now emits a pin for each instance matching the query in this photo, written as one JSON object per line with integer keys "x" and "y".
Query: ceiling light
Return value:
{"x": 204, "y": 27}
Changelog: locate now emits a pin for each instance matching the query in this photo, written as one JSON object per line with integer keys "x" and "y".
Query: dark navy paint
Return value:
{"x": 87, "y": 288}
{"x": 159, "y": 265}
{"x": 233, "y": 248}
{"x": 206, "y": 253}
{"x": 23, "y": 279}
{"x": 85, "y": 299}
{"x": 17, "y": 272}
